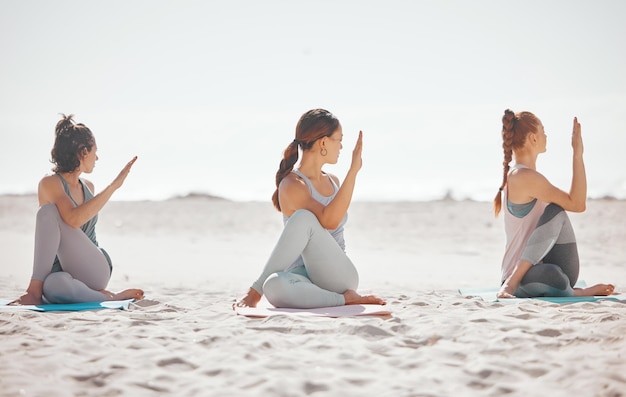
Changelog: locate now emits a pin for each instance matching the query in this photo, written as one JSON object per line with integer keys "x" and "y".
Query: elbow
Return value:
{"x": 71, "y": 222}
{"x": 74, "y": 224}
{"x": 581, "y": 206}
{"x": 329, "y": 221}
{"x": 330, "y": 225}
{"x": 578, "y": 207}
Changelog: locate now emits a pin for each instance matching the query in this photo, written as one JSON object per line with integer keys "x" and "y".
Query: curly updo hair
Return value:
{"x": 72, "y": 142}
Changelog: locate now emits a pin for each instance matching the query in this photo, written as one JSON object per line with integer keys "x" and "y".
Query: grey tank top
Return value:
{"x": 89, "y": 228}
{"x": 324, "y": 200}
{"x": 519, "y": 210}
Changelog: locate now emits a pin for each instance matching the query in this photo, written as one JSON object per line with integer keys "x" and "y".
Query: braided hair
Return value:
{"x": 515, "y": 129}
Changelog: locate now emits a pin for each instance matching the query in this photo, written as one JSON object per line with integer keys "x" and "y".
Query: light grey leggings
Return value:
{"x": 85, "y": 268}
{"x": 330, "y": 271}
{"x": 552, "y": 250}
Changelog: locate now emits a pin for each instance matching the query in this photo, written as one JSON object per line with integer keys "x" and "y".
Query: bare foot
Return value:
{"x": 126, "y": 294}
{"x": 352, "y": 298}
{"x": 27, "y": 299}
{"x": 595, "y": 290}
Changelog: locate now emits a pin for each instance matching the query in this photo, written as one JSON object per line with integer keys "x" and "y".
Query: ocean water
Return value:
{"x": 419, "y": 153}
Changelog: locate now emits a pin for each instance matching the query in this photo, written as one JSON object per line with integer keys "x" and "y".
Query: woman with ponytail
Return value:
{"x": 68, "y": 265}
{"x": 541, "y": 256}
{"x": 308, "y": 267}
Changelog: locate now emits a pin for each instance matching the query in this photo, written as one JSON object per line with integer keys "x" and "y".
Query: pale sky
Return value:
{"x": 181, "y": 54}
{"x": 283, "y": 57}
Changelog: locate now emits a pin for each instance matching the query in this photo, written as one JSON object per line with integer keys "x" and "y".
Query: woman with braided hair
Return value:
{"x": 308, "y": 267}
{"x": 541, "y": 256}
{"x": 68, "y": 265}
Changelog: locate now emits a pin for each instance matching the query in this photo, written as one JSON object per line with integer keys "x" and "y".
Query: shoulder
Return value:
{"x": 293, "y": 183}
{"x": 50, "y": 182}
{"x": 50, "y": 187}
{"x": 526, "y": 184}
{"x": 293, "y": 194}
{"x": 525, "y": 175}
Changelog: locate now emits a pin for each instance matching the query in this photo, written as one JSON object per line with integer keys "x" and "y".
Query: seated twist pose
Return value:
{"x": 308, "y": 267}
{"x": 68, "y": 265}
{"x": 541, "y": 256}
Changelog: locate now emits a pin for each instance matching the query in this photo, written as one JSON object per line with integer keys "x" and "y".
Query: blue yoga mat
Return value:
{"x": 489, "y": 294}
{"x": 67, "y": 307}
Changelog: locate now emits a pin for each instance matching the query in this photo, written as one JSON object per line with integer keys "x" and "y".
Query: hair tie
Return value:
{"x": 297, "y": 142}
{"x": 500, "y": 189}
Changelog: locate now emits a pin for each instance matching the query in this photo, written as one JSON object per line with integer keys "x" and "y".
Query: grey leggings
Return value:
{"x": 329, "y": 270}
{"x": 85, "y": 268}
{"x": 552, "y": 250}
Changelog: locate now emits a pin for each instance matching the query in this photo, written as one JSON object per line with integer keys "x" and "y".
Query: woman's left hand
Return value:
{"x": 121, "y": 177}
{"x": 357, "y": 161}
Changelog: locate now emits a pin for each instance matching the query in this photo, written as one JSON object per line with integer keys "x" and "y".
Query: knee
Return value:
{"x": 554, "y": 207}
{"x": 552, "y": 213}
{"x": 554, "y": 276}
{"x": 47, "y": 211}
{"x": 304, "y": 217}
{"x": 276, "y": 289}
{"x": 552, "y": 210}
{"x": 57, "y": 286}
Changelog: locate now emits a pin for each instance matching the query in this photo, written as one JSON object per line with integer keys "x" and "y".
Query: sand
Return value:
{"x": 195, "y": 256}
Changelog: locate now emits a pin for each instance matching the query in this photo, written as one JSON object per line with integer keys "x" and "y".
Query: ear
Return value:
{"x": 83, "y": 153}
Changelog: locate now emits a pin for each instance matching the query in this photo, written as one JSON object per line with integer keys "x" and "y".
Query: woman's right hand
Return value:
{"x": 506, "y": 291}
{"x": 121, "y": 177}
{"x": 577, "y": 140}
{"x": 250, "y": 300}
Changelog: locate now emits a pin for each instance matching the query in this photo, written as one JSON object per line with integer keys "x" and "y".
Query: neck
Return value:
{"x": 311, "y": 167}
{"x": 71, "y": 177}
{"x": 527, "y": 159}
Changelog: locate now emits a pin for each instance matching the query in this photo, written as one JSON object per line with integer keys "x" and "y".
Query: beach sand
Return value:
{"x": 195, "y": 256}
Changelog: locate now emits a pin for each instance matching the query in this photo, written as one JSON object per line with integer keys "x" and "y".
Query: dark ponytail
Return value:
{"x": 313, "y": 125}
{"x": 290, "y": 157}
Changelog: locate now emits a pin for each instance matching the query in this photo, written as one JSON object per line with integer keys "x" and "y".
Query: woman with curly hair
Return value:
{"x": 68, "y": 265}
{"x": 541, "y": 256}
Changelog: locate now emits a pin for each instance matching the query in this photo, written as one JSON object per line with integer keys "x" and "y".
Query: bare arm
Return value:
{"x": 535, "y": 185}
{"x": 510, "y": 285}
{"x": 51, "y": 191}
{"x": 295, "y": 195}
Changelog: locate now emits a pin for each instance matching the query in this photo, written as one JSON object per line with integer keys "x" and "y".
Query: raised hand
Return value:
{"x": 577, "y": 139}
{"x": 121, "y": 177}
{"x": 357, "y": 161}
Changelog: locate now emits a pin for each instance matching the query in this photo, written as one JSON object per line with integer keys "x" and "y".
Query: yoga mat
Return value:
{"x": 489, "y": 294}
{"x": 66, "y": 307}
{"x": 336, "y": 311}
